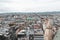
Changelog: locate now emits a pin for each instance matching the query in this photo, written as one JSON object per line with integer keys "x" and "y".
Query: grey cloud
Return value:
{"x": 4, "y": 1}
{"x": 7, "y": 6}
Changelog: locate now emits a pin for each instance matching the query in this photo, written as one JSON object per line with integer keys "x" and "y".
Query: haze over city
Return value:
{"x": 29, "y": 5}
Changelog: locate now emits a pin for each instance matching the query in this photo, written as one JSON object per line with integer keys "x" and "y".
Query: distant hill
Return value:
{"x": 55, "y": 12}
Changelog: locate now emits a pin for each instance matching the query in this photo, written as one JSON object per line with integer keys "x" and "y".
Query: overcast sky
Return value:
{"x": 29, "y": 5}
